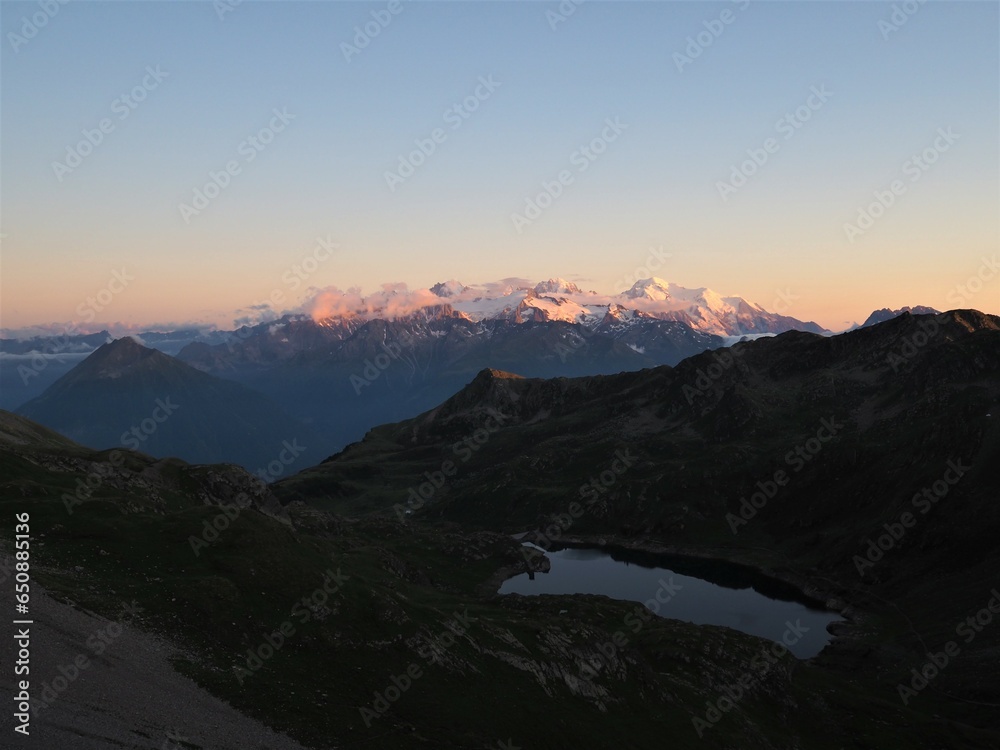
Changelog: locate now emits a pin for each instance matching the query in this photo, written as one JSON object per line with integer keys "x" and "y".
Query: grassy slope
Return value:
{"x": 131, "y": 541}
{"x": 696, "y": 460}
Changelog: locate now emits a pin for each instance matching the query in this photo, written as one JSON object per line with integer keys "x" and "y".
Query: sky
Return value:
{"x": 822, "y": 158}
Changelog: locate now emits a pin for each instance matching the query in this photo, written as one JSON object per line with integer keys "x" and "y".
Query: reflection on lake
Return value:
{"x": 704, "y": 592}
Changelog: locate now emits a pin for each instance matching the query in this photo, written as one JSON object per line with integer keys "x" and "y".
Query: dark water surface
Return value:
{"x": 704, "y": 592}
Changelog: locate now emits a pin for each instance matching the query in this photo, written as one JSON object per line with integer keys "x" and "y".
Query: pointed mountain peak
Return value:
{"x": 652, "y": 288}
{"x": 111, "y": 360}
{"x": 618, "y": 313}
{"x": 450, "y": 288}
{"x": 491, "y": 374}
{"x": 125, "y": 347}
{"x": 490, "y": 392}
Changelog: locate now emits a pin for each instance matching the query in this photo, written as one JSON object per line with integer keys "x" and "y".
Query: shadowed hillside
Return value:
{"x": 126, "y": 395}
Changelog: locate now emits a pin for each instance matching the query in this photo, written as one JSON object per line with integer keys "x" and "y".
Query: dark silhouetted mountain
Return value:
{"x": 908, "y": 396}
{"x": 880, "y": 316}
{"x": 207, "y": 560}
{"x": 127, "y": 395}
{"x": 794, "y": 451}
{"x": 705, "y": 429}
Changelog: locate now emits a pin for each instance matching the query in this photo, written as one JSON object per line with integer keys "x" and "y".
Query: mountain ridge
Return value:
{"x": 560, "y": 300}
{"x": 880, "y": 316}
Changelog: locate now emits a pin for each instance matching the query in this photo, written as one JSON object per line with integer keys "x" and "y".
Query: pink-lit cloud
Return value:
{"x": 394, "y": 300}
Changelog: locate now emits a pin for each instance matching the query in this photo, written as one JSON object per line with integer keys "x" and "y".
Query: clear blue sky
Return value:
{"x": 656, "y": 184}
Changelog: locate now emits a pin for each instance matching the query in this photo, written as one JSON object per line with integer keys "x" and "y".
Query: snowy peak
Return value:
{"x": 618, "y": 316}
{"x": 654, "y": 288}
{"x": 701, "y": 297}
{"x": 619, "y": 312}
{"x": 450, "y": 288}
{"x": 658, "y": 297}
{"x": 549, "y": 309}
{"x": 742, "y": 306}
{"x": 557, "y": 300}
{"x": 557, "y": 286}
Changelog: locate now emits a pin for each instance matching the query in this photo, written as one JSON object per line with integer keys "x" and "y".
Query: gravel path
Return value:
{"x": 128, "y": 696}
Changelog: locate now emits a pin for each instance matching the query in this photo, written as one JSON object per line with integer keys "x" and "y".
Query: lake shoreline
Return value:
{"x": 824, "y": 593}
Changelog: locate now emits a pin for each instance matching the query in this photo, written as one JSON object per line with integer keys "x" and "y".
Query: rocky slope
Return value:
{"x": 798, "y": 454}
{"x": 370, "y": 632}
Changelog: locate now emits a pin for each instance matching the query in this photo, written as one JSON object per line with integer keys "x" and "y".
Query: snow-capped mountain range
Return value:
{"x": 346, "y": 362}
{"x": 559, "y": 300}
